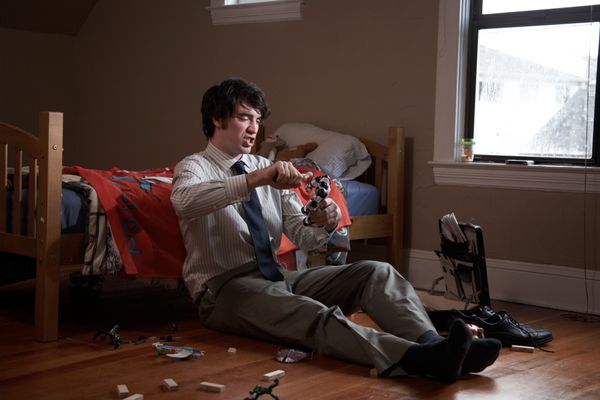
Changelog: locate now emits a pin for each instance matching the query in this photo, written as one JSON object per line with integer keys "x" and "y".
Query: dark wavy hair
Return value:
{"x": 219, "y": 102}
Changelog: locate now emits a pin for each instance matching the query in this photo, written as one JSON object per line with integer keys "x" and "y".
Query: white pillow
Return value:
{"x": 295, "y": 134}
{"x": 341, "y": 156}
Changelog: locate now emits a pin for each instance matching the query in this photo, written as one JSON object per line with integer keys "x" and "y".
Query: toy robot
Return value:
{"x": 320, "y": 184}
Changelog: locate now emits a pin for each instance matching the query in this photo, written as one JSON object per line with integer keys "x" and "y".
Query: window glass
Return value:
{"x": 535, "y": 91}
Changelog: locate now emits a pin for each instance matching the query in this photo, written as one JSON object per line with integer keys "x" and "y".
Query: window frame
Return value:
{"x": 449, "y": 123}
{"x": 256, "y": 12}
{"x": 557, "y": 16}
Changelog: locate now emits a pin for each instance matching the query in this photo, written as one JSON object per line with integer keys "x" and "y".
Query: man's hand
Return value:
{"x": 280, "y": 175}
{"x": 328, "y": 215}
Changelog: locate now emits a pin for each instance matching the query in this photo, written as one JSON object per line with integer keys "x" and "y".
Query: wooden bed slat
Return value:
{"x": 371, "y": 226}
{"x": 3, "y": 184}
{"x": 18, "y": 244}
{"x": 17, "y": 194}
{"x": 32, "y": 197}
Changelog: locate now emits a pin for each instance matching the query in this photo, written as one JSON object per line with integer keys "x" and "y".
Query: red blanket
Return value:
{"x": 142, "y": 219}
{"x": 144, "y": 224}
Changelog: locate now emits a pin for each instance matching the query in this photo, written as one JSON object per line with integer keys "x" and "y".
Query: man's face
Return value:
{"x": 236, "y": 135}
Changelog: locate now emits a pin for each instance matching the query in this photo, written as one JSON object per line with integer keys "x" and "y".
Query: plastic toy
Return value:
{"x": 260, "y": 390}
{"x": 321, "y": 187}
{"x": 180, "y": 352}
{"x": 115, "y": 338}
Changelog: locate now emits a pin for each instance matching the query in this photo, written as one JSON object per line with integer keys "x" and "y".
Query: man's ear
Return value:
{"x": 217, "y": 122}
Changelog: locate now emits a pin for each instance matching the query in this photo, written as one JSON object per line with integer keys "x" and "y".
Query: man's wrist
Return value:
{"x": 332, "y": 229}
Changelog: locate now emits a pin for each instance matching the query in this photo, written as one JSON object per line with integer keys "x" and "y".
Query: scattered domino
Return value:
{"x": 525, "y": 349}
{"x": 212, "y": 387}
{"x": 136, "y": 396}
{"x": 122, "y": 391}
{"x": 232, "y": 350}
{"x": 273, "y": 375}
{"x": 170, "y": 385}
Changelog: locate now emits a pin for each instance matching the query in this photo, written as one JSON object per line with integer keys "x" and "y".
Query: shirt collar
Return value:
{"x": 223, "y": 160}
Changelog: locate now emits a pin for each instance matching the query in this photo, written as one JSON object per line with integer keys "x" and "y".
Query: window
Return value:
{"x": 531, "y": 81}
{"x": 226, "y": 12}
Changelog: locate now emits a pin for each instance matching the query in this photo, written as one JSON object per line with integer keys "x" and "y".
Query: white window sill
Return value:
{"x": 272, "y": 11}
{"x": 556, "y": 178}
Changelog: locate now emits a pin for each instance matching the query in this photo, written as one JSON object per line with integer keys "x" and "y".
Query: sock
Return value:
{"x": 441, "y": 359}
{"x": 481, "y": 354}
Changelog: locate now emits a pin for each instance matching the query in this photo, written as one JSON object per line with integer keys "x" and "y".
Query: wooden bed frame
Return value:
{"x": 42, "y": 156}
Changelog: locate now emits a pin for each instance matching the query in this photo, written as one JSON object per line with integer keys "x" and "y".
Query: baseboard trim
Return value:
{"x": 551, "y": 286}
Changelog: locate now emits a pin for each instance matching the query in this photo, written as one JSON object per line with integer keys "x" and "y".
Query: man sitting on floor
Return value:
{"x": 233, "y": 207}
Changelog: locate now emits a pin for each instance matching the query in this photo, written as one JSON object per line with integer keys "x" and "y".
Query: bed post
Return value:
{"x": 395, "y": 201}
{"x": 48, "y": 226}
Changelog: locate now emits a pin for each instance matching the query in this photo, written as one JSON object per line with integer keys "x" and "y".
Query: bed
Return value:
{"x": 38, "y": 158}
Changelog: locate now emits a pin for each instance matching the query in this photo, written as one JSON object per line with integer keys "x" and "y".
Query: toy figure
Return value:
{"x": 115, "y": 339}
{"x": 321, "y": 186}
{"x": 260, "y": 390}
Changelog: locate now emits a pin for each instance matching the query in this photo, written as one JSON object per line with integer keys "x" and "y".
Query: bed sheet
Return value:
{"x": 361, "y": 198}
{"x": 72, "y": 216}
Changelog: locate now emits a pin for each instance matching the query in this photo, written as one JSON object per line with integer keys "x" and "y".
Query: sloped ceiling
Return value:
{"x": 63, "y": 17}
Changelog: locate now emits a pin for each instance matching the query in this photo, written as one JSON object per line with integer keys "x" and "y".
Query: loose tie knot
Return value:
{"x": 239, "y": 167}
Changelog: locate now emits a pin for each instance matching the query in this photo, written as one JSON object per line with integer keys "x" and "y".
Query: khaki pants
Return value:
{"x": 308, "y": 310}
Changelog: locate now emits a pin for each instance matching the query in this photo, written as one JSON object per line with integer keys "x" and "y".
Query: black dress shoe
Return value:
{"x": 500, "y": 325}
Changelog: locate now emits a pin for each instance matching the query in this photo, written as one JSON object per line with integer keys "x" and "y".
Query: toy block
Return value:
{"x": 136, "y": 396}
{"x": 232, "y": 350}
{"x": 273, "y": 375}
{"x": 212, "y": 387}
{"x": 170, "y": 385}
{"x": 122, "y": 391}
{"x": 524, "y": 349}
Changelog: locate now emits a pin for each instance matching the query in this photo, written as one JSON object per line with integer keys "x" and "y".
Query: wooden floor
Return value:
{"x": 76, "y": 367}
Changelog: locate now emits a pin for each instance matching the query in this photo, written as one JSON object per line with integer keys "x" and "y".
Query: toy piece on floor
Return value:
{"x": 212, "y": 387}
{"x": 136, "y": 396}
{"x": 179, "y": 352}
{"x": 320, "y": 184}
{"x": 232, "y": 350}
{"x": 122, "y": 391}
{"x": 290, "y": 356}
{"x": 115, "y": 339}
{"x": 524, "y": 349}
{"x": 269, "y": 376}
{"x": 170, "y": 385}
{"x": 260, "y": 390}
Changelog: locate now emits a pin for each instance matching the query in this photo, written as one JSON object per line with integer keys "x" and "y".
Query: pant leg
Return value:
{"x": 376, "y": 287}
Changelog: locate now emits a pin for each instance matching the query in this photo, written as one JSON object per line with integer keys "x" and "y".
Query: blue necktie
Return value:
{"x": 258, "y": 230}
